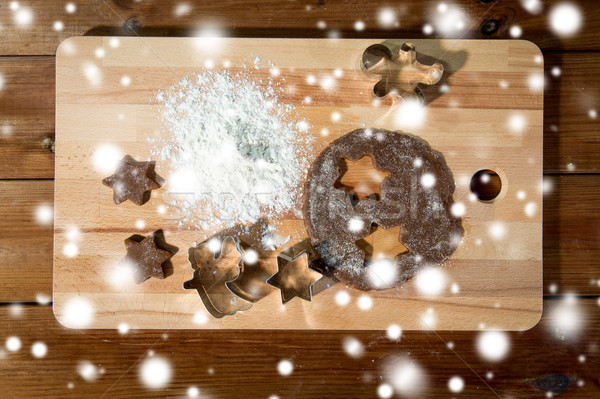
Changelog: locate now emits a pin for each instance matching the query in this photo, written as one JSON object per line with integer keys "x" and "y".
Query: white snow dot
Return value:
{"x": 78, "y": 312}
{"x": 394, "y": 332}
{"x": 497, "y": 230}
{"x": 385, "y": 391}
{"x": 503, "y": 84}
{"x": 321, "y": 25}
{"x": 536, "y": 82}
{"x": 39, "y": 349}
{"x": 23, "y": 16}
{"x": 516, "y": 31}
{"x": 521, "y": 195}
{"x": 250, "y": 257}
{"x": 355, "y": 225}
{"x": 70, "y": 250}
{"x": 365, "y": 302}
{"x": 106, "y": 158}
{"x": 359, "y": 25}
{"x": 311, "y": 79}
{"x": 456, "y": 384}
{"x": 427, "y": 180}
{"x": 126, "y": 81}
{"x": 533, "y": 6}
{"x": 13, "y": 5}
{"x": 13, "y": 344}
{"x": 450, "y": 345}
{"x": 517, "y": 123}
{"x": 342, "y": 298}
{"x": 214, "y": 245}
{"x": 140, "y": 224}
{"x": 87, "y": 371}
{"x": 114, "y": 42}
{"x": 454, "y": 288}
{"x": 553, "y": 288}
{"x": 338, "y": 73}
{"x": 182, "y": 9}
{"x": 70, "y": 8}
{"x": 565, "y": 19}
{"x": 353, "y": 347}
{"x": 99, "y": 52}
{"x": 458, "y": 209}
{"x": 442, "y": 8}
{"x": 386, "y": 17}
{"x": 200, "y": 318}
{"x": 155, "y": 372}
{"x": 581, "y": 358}
{"x": 593, "y": 114}
{"x": 489, "y": 375}
{"x": 123, "y": 328}
{"x": 418, "y": 162}
{"x": 411, "y": 114}
{"x": 493, "y": 346}
{"x": 58, "y": 26}
{"x": 44, "y": 214}
{"x": 382, "y": 273}
{"x": 285, "y": 367}
{"x": 42, "y": 299}
{"x": 556, "y": 71}
{"x": 431, "y": 282}
{"x": 530, "y": 209}
{"x": 193, "y": 392}
{"x": 161, "y": 209}
{"x": 406, "y": 377}
{"x": 427, "y": 29}
{"x": 336, "y": 116}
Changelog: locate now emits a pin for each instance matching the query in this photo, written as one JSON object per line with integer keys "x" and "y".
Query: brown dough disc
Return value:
{"x": 429, "y": 230}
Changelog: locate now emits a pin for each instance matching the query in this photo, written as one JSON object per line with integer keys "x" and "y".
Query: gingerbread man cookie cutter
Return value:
{"x": 398, "y": 71}
{"x": 217, "y": 264}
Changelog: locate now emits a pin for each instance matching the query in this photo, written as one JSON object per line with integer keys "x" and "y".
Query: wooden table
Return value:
{"x": 243, "y": 364}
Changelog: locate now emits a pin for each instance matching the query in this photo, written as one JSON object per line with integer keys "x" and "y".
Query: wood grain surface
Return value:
{"x": 243, "y": 364}
{"x": 270, "y": 18}
{"x": 570, "y": 135}
{"x": 538, "y": 361}
{"x": 489, "y": 295}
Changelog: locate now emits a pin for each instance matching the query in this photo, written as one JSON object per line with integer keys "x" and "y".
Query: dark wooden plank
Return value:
{"x": 243, "y": 364}
{"x": 25, "y": 243}
{"x": 571, "y": 102}
{"x": 571, "y": 140}
{"x": 26, "y": 117}
{"x": 571, "y": 247}
{"x": 283, "y": 19}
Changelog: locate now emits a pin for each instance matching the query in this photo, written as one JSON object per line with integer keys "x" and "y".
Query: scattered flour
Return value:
{"x": 235, "y": 152}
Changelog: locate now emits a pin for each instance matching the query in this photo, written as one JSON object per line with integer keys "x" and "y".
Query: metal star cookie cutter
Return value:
{"x": 293, "y": 284}
{"x": 398, "y": 70}
{"x": 212, "y": 279}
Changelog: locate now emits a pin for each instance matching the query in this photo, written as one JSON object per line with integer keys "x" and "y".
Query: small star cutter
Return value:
{"x": 229, "y": 302}
{"x": 398, "y": 71}
{"x": 306, "y": 289}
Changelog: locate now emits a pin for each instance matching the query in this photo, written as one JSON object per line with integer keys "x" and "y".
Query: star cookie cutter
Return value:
{"x": 398, "y": 70}
{"x": 297, "y": 282}
{"x": 217, "y": 264}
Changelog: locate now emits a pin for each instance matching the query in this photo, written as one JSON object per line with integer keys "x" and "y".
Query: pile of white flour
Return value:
{"x": 236, "y": 152}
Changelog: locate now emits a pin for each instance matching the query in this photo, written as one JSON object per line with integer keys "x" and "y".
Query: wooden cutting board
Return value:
{"x": 493, "y": 280}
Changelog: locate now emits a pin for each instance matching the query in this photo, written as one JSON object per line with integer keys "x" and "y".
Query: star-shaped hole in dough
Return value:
{"x": 360, "y": 179}
{"x": 217, "y": 263}
{"x": 294, "y": 277}
{"x": 398, "y": 70}
{"x": 132, "y": 181}
{"x": 382, "y": 244}
{"x": 146, "y": 258}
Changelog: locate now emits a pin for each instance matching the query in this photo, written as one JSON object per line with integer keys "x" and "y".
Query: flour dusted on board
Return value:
{"x": 235, "y": 151}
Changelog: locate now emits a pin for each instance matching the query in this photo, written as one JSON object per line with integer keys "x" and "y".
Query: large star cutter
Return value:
{"x": 291, "y": 283}
{"x": 213, "y": 273}
{"x": 398, "y": 70}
